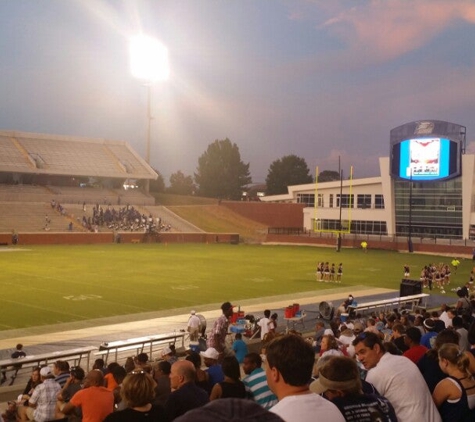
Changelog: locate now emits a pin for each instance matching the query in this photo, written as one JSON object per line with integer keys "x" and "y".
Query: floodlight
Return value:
{"x": 148, "y": 59}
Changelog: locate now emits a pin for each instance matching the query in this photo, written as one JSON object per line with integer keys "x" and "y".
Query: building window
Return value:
{"x": 320, "y": 202}
{"x": 363, "y": 201}
{"x": 306, "y": 198}
{"x": 331, "y": 200}
{"x": 379, "y": 202}
{"x": 347, "y": 201}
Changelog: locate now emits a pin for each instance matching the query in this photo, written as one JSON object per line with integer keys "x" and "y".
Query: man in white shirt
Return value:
{"x": 263, "y": 323}
{"x": 290, "y": 361}
{"x": 194, "y": 323}
{"x": 396, "y": 378}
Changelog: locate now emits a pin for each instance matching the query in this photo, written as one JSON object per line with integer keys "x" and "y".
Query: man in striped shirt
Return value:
{"x": 256, "y": 381}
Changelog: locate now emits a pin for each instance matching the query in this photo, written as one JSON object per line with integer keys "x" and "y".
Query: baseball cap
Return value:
{"x": 226, "y": 306}
{"x": 193, "y": 312}
{"x": 45, "y": 371}
{"x": 210, "y": 353}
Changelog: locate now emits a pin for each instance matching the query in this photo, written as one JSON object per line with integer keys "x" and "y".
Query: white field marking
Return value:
{"x": 83, "y": 297}
{"x": 372, "y": 269}
{"x": 185, "y": 287}
{"x": 14, "y": 250}
{"x": 261, "y": 280}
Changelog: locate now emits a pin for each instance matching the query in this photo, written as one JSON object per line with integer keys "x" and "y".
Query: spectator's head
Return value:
{"x": 19, "y": 346}
{"x": 457, "y": 322}
{"x": 60, "y": 366}
{"x": 369, "y": 349}
{"x": 339, "y": 376}
{"x": 450, "y": 356}
{"x": 446, "y": 336}
{"x": 227, "y": 309}
{"x": 182, "y": 372}
{"x": 164, "y": 367}
{"x": 77, "y": 373}
{"x": 142, "y": 358}
{"x": 399, "y": 330}
{"x": 274, "y": 316}
{"x": 267, "y": 313}
{"x": 413, "y": 336}
{"x": 329, "y": 342}
{"x": 225, "y": 410}
{"x": 46, "y": 373}
{"x": 429, "y": 324}
{"x": 251, "y": 362}
{"x": 98, "y": 364}
{"x": 94, "y": 378}
{"x": 230, "y": 367}
{"x": 451, "y": 313}
{"x": 138, "y": 389}
{"x": 238, "y": 336}
{"x": 210, "y": 356}
{"x": 35, "y": 375}
{"x": 129, "y": 364}
{"x": 119, "y": 374}
{"x": 195, "y": 359}
{"x": 290, "y": 361}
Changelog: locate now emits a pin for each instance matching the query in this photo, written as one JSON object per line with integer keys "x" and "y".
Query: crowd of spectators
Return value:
{"x": 388, "y": 366}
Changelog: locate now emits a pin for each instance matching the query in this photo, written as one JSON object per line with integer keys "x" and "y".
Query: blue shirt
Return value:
{"x": 240, "y": 349}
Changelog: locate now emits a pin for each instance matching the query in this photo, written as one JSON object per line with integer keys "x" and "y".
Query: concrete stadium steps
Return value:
{"x": 169, "y": 217}
{"x": 30, "y": 217}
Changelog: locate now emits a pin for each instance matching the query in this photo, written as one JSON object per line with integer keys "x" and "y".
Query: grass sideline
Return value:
{"x": 44, "y": 285}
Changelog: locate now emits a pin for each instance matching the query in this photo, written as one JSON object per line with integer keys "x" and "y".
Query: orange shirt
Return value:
{"x": 111, "y": 383}
{"x": 95, "y": 402}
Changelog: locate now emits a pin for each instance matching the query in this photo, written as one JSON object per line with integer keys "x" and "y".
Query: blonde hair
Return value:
{"x": 138, "y": 389}
{"x": 452, "y": 353}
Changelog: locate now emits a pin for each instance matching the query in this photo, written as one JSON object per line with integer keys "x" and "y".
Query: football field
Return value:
{"x": 45, "y": 285}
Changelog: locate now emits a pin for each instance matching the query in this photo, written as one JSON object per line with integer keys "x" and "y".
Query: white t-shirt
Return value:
{"x": 194, "y": 321}
{"x": 307, "y": 408}
{"x": 264, "y": 324}
{"x": 400, "y": 381}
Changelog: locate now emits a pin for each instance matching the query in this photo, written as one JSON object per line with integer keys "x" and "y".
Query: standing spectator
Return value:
{"x": 138, "y": 393}
{"x": 42, "y": 403}
{"x": 217, "y": 336}
{"x": 264, "y": 324}
{"x": 290, "y": 361}
{"x": 194, "y": 324}
{"x": 239, "y": 347}
{"x": 256, "y": 381}
{"x": 397, "y": 379}
{"x": 95, "y": 401}
{"x": 339, "y": 381}
{"x": 455, "y": 395}
{"x": 186, "y": 395}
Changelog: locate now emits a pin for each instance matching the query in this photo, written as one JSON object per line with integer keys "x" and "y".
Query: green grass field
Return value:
{"x": 43, "y": 285}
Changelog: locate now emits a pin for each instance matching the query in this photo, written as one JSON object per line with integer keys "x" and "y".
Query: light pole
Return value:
{"x": 149, "y": 63}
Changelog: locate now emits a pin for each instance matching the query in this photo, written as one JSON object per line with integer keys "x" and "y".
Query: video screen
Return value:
{"x": 424, "y": 159}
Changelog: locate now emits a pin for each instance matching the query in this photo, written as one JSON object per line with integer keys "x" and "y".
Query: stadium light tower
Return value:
{"x": 149, "y": 63}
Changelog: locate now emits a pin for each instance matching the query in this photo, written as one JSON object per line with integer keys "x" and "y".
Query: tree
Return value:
{"x": 181, "y": 184}
{"x": 328, "y": 176}
{"x": 220, "y": 172}
{"x": 287, "y": 171}
{"x": 157, "y": 185}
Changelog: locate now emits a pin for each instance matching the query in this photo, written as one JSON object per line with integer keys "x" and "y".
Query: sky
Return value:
{"x": 320, "y": 79}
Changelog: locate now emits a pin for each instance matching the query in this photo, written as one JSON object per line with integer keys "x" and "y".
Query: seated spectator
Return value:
{"x": 10, "y": 413}
{"x": 232, "y": 385}
{"x": 33, "y": 382}
{"x": 319, "y": 332}
{"x": 428, "y": 338}
{"x": 95, "y": 401}
{"x": 290, "y": 361}
{"x": 230, "y": 410}
{"x": 71, "y": 387}
{"x": 415, "y": 350}
{"x": 109, "y": 380}
{"x": 186, "y": 395}
{"x": 101, "y": 365}
{"x": 61, "y": 372}
{"x": 202, "y": 377}
{"x": 457, "y": 324}
{"x": 161, "y": 375}
{"x": 330, "y": 346}
{"x": 256, "y": 382}
{"x": 339, "y": 381}
{"x": 119, "y": 374}
{"x": 215, "y": 372}
{"x": 141, "y": 363}
{"x": 398, "y": 337}
{"x": 42, "y": 403}
{"x": 168, "y": 355}
{"x": 455, "y": 395}
{"x": 138, "y": 392}
{"x": 397, "y": 379}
